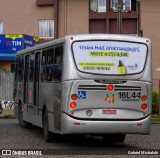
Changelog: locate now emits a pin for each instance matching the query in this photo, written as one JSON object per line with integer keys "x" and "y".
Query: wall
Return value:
{"x": 21, "y": 16}
{"x": 150, "y": 16}
{"x": 73, "y": 17}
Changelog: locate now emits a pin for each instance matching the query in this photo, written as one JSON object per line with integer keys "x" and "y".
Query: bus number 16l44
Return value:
{"x": 130, "y": 95}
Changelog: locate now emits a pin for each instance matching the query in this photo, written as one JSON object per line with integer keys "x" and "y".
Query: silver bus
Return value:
{"x": 94, "y": 84}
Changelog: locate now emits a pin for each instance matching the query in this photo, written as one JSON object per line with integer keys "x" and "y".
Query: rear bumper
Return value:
{"x": 73, "y": 126}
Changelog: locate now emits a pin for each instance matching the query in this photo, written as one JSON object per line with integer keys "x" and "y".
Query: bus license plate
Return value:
{"x": 109, "y": 112}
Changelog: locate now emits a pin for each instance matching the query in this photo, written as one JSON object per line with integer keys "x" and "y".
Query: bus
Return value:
{"x": 89, "y": 84}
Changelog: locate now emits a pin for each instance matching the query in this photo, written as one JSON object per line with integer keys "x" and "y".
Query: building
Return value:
{"x": 150, "y": 24}
{"x": 63, "y": 17}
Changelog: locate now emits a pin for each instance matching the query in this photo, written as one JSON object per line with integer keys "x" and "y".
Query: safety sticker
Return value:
{"x": 82, "y": 94}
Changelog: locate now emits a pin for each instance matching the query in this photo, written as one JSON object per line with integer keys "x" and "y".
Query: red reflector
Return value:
{"x": 73, "y": 105}
{"x": 144, "y": 98}
{"x": 139, "y": 124}
{"x": 71, "y": 38}
{"x": 76, "y": 123}
{"x": 110, "y": 87}
{"x": 74, "y": 97}
{"x": 144, "y": 106}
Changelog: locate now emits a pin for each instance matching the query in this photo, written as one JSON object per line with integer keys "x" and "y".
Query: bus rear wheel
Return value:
{"x": 22, "y": 123}
{"x": 117, "y": 138}
{"x": 48, "y": 136}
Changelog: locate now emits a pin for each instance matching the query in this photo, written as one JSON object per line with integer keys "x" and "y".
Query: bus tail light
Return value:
{"x": 144, "y": 106}
{"x": 110, "y": 87}
{"x": 76, "y": 123}
{"x": 74, "y": 97}
{"x": 144, "y": 98}
{"x": 73, "y": 105}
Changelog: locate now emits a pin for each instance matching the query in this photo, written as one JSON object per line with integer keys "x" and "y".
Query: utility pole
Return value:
{"x": 139, "y": 31}
{"x": 119, "y": 17}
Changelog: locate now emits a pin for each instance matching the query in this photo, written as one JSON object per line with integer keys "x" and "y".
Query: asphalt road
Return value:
{"x": 14, "y": 137}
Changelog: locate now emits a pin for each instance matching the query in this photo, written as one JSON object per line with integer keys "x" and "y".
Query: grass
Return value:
{"x": 8, "y": 116}
{"x": 7, "y": 113}
{"x": 155, "y": 119}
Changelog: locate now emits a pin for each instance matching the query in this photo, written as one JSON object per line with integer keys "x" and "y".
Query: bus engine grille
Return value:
{"x": 104, "y": 88}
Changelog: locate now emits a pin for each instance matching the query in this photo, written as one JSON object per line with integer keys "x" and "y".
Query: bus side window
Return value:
{"x": 49, "y": 73}
{"x": 43, "y": 61}
{"x": 31, "y": 72}
{"x": 49, "y": 65}
{"x": 20, "y": 69}
{"x": 43, "y": 66}
{"x": 58, "y": 55}
{"x": 50, "y": 55}
{"x": 57, "y": 67}
{"x": 43, "y": 73}
{"x": 16, "y": 69}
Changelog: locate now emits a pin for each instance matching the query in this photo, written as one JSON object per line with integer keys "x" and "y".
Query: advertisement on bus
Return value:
{"x": 110, "y": 57}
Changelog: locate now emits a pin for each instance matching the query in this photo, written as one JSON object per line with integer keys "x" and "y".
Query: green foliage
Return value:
{"x": 155, "y": 119}
{"x": 155, "y": 102}
{"x": 8, "y": 116}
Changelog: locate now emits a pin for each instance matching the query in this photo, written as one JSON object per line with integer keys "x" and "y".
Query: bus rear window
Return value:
{"x": 109, "y": 57}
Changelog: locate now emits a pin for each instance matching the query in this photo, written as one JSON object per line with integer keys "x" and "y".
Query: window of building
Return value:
{"x": 127, "y": 5}
{"x": 1, "y": 27}
{"x": 46, "y": 28}
{"x": 114, "y": 4}
{"x": 101, "y": 5}
{"x": 97, "y": 5}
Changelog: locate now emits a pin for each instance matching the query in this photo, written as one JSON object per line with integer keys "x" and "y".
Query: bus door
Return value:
{"x": 30, "y": 85}
{"x": 36, "y": 82}
{"x": 57, "y": 86}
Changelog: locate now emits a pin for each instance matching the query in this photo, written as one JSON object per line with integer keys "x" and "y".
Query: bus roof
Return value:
{"x": 85, "y": 37}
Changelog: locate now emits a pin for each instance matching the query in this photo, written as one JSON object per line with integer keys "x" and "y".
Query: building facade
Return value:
{"x": 150, "y": 24}
{"x": 57, "y": 18}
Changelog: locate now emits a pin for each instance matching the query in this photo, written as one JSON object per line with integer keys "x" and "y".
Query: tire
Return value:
{"x": 48, "y": 136}
{"x": 22, "y": 123}
{"x": 115, "y": 138}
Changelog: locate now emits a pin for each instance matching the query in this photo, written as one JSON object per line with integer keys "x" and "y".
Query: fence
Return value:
{"x": 156, "y": 85}
{"x": 6, "y": 85}
{"x": 156, "y": 88}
